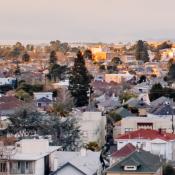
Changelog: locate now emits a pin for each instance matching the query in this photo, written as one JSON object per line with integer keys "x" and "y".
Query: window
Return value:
{"x": 128, "y": 130}
{"x": 39, "y": 105}
{"x": 3, "y": 167}
{"x": 19, "y": 165}
{"x": 130, "y": 168}
{"x": 27, "y": 165}
{"x": 22, "y": 167}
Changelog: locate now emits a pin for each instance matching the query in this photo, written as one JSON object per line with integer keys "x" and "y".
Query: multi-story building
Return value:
{"x": 28, "y": 156}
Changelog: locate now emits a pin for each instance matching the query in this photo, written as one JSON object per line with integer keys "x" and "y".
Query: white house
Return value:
{"x": 92, "y": 127}
{"x": 156, "y": 142}
{"x": 28, "y": 156}
{"x": 39, "y": 95}
{"x": 7, "y": 81}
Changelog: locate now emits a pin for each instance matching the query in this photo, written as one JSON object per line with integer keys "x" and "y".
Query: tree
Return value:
{"x": 168, "y": 170}
{"x": 55, "y": 45}
{"x": 142, "y": 79}
{"x": 141, "y": 52}
{"x": 64, "y": 103}
{"x": 23, "y": 95}
{"x": 79, "y": 81}
{"x": 30, "y": 88}
{"x": 157, "y": 56}
{"x": 64, "y": 131}
{"x": 17, "y": 49}
{"x": 114, "y": 116}
{"x": 156, "y": 91}
{"x": 26, "y": 57}
{"x": 125, "y": 96}
{"x": 93, "y": 146}
{"x": 24, "y": 120}
{"x": 88, "y": 54}
{"x": 102, "y": 67}
{"x": 57, "y": 72}
{"x": 53, "y": 57}
{"x": 164, "y": 45}
{"x": 171, "y": 73}
{"x": 116, "y": 61}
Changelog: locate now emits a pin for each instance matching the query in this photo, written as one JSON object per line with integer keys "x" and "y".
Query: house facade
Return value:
{"x": 156, "y": 142}
{"x": 22, "y": 159}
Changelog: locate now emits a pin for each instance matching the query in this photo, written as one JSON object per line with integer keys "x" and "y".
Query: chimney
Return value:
{"x": 83, "y": 152}
{"x": 160, "y": 131}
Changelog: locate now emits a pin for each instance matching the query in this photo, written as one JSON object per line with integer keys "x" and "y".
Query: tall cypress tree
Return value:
{"x": 79, "y": 81}
{"x": 141, "y": 52}
{"x": 53, "y": 57}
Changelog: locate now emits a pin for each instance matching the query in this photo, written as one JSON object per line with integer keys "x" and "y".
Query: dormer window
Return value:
{"x": 130, "y": 168}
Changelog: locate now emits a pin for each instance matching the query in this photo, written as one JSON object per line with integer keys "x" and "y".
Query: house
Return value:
{"x": 138, "y": 106}
{"x": 43, "y": 102}
{"x": 39, "y": 95}
{"x": 118, "y": 78}
{"x": 123, "y": 112}
{"x": 108, "y": 103}
{"x": 156, "y": 142}
{"x": 141, "y": 88}
{"x": 92, "y": 127}
{"x": 139, "y": 162}
{"x": 120, "y": 154}
{"x": 128, "y": 59}
{"x": 155, "y": 122}
{"x": 7, "y": 81}
{"x": 22, "y": 159}
{"x": 84, "y": 162}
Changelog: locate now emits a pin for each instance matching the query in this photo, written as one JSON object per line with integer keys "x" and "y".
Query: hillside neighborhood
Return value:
{"x": 87, "y": 108}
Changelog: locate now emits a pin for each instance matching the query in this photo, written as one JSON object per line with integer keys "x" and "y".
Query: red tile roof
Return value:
{"x": 148, "y": 134}
{"x": 124, "y": 151}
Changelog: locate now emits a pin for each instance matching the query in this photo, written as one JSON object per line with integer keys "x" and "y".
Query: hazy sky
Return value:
{"x": 87, "y": 20}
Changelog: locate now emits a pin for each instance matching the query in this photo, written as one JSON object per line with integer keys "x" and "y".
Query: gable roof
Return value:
{"x": 124, "y": 151}
{"x": 145, "y": 162}
{"x": 159, "y": 101}
{"x": 123, "y": 112}
{"x": 44, "y": 100}
{"x": 67, "y": 165}
{"x": 148, "y": 134}
{"x": 164, "y": 109}
{"x": 87, "y": 164}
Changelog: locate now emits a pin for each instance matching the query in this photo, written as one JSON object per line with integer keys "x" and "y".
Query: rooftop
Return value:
{"x": 143, "y": 160}
{"x": 148, "y": 134}
{"x": 124, "y": 151}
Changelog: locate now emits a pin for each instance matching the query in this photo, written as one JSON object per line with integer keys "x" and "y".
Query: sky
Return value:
{"x": 86, "y": 20}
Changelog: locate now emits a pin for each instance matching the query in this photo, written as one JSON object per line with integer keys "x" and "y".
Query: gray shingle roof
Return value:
{"x": 145, "y": 162}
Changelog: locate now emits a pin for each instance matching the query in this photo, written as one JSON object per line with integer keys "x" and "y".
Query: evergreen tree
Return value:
{"x": 26, "y": 57}
{"x": 157, "y": 56}
{"x": 141, "y": 52}
{"x": 79, "y": 81}
{"x": 53, "y": 57}
{"x": 88, "y": 54}
{"x": 168, "y": 170}
{"x": 171, "y": 73}
{"x": 156, "y": 92}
